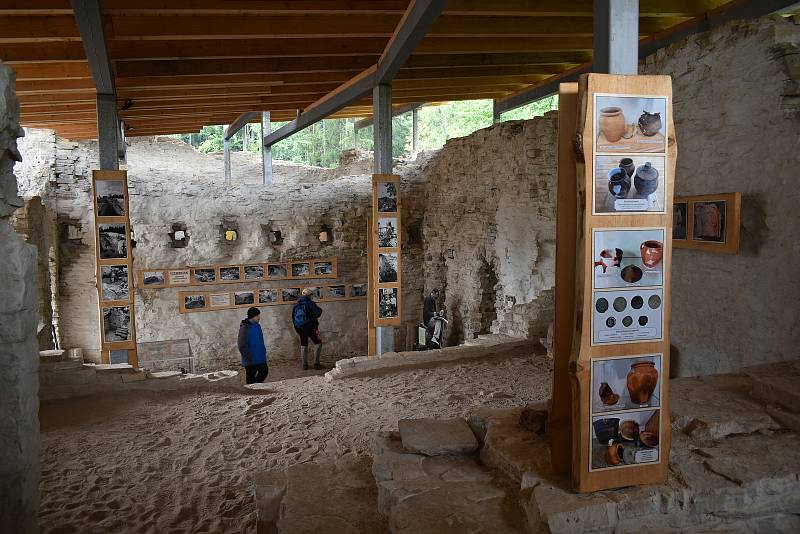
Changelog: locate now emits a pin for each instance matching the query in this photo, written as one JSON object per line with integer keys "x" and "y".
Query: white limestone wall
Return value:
{"x": 19, "y": 355}
{"x": 737, "y": 120}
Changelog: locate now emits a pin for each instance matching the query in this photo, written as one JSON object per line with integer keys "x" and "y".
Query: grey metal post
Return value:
{"x": 226, "y": 156}
{"x": 616, "y": 36}
{"x": 382, "y": 136}
{"x": 107, "y": 127}
{"x": 495, "y": 112}
{"x": 122, "y": 148}
{"x": 414, "y": 130}
{"x": 266, "y": 151}
{"x": 355, "y": 134}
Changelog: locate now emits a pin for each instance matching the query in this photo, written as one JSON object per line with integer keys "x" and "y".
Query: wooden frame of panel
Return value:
{"x": 140, "y": 275}
{"x": 207, "y": 294}
{"x": 583, "y": 352}
{"x": 732, "y": 219}
{"x": 377, "y": 214}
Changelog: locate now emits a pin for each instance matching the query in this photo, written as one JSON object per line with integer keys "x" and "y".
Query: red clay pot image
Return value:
{"x": 614, "y": 454}
{"x": 612, "y": 123}
{"x": 642, "y": 381}
{"x": 652, "y": 251}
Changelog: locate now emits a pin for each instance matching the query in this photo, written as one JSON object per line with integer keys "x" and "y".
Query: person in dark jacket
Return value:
{"x": 252, "y": 348}
{"x": 305, "y": 317}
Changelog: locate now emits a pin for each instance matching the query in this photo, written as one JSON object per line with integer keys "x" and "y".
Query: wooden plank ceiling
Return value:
{"x": 182, "y": 64}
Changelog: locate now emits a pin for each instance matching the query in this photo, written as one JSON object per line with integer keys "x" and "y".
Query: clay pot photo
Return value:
{"x": 649, "y": 123}
{"x": 629, "y": 430}
{"x": 652, "y": 251}
{"x": 609, "y": 257}
{"x": 612, "y": 123}
{"x": 607, "y": 394}
{"x": 614, "y": 453}
{"x": 642, "y": 381}
{"x": 646, "y": 179}
{"x": 648, "y": 439}
{"x": 628, "y": 165}
{"x": 619, "y": 183}
{"x": 631, "y": 274}
{"x": 606, "y": 429}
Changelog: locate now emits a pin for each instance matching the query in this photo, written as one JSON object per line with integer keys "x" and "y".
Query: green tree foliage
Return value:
{"x": 321, "y": 143}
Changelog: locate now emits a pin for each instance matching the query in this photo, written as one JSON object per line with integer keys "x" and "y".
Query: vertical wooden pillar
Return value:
{"x": 382, "y": 137}
{"x": 266, "y": 151}
{"x": 107, "y": 126}
{"x": 566, "y": 234}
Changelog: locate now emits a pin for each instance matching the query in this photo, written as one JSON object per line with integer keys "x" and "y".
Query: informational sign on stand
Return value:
{"x": 385, "y": 250}
{"x": 619, "y": 361}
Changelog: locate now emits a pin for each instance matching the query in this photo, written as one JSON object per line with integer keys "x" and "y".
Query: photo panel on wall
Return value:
{"x": 194, "y": 301}
{"x": 336, "y": 292}
{"x": 243, "y": 298}
{"x": 230, "y": 273}
{"x": 290, "y": 294}
{"x": 387, "y": 268}
{"x": 387, "y": 302}
{"x": 115, "y": 282}
{"x": 629, "y": 183}
{"x": 324, "y": 269}
{"x": 625, "y": 439}
{"x": 630, "y": 124}
{"x": 219, "y": 300}
{"x": 709, "y": 221}
{"x": 205, "y": 275}
{"x": 628, "y": 258}
{"x": 301, "y": 269}
{"x": 268, "y": 296}
{"x": 680, "y": 221}
{"x": 627, "y": 316}
{"x": 112, "y": 240}
{"x": 152, "y": 279}
{"x": 386, "y": 197}
{"x": 387, "y": 232}
{"x": 116, "y": 324}
{"x": 277, "y": 271}
{"x": 179, "y": 277}
{"x": 254, "y": 272}
{"x": 110, "y": 198}
{"x": 626, "y": 383}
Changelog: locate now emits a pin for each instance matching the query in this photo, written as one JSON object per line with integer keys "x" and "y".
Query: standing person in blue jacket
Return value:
{"x": 252, "y": 348}
{"x": 305, "y": 317}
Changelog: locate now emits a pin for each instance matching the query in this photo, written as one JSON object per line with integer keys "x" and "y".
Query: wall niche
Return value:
{"x": 179, "y": 238}
{"x": 229, "y": 232}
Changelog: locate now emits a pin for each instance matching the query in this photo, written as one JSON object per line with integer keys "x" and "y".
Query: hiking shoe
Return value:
{"x": 318, "y": 366}
{"x": 305, "y": 367}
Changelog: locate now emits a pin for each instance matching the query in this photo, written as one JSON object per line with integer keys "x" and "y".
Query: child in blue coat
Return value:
{"x": 252, "y": 348}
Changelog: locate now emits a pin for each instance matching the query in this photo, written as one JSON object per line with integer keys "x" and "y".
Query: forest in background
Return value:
{"x": 321, "y": 143}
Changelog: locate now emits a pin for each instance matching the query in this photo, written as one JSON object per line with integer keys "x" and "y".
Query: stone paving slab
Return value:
{"x": 777, "y": 383}
{"x": 435, "y": 437}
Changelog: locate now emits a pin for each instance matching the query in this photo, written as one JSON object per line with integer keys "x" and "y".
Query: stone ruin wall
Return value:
{"x": 491, "y": 206}
{"x": 737, "y": 119}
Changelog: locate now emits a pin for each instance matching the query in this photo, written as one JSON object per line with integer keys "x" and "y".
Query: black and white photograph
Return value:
{"x": 290, "y": 294}
{"x": 267, "y": 296}
{"x": 387, "y": 232}
{"x": 230, "y": 274}
{"x": 387, "y": 197}
{"x": 110, "y": 196}
{"x": 116, "y": 323}
{"x": 253, "y": 272}
{"x": 194, "y": 302}
{"x": 300, "y": 270}
{"x": 115, "y": 282}
{"x": 205, "y": 276}
{"x": 153, "y": 278}
{"x": 317, "y": 292}
{"x": 112, "y": 240}
{"x": 242, "y": 298}
{"x": 358, "y": 290}
{"x": 336, "y": 292}
{"x": 387, "y": 302}
{"x": 387, "y": 268}
{"x": 323, "y": 268}
{"x": 277, "y": 270}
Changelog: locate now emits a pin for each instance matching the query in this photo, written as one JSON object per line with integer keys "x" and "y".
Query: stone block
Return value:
{"x": 437, "y": 436}
{"x": 270, "y": 489}
{"x": 776, "y": 383}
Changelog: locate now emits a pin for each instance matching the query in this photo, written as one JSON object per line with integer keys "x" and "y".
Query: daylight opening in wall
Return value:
{"x": 178, "y": 236}
{"x": 325, "y": 234}
{"x": 231, "y": 235}
{"x": 275, "y": 237}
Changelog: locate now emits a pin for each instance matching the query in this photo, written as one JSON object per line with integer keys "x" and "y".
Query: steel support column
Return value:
{"x": 266, "y": 151}
{"x": 616, "y": 36}
{"x": 382, "y": 137}
{"x": 226, "y": 157}
{"x": 107, "y": 127}
{"x": 355, "y": 134}
{"x": 414, "y": 130}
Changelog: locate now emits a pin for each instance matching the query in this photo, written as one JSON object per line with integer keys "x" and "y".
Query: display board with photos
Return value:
{"x": 316, "y": 269}
{"x": 385, "y": 250}
{"x": 625, "y": 181}
{"x": 114, "y": 267}
{"x": 207, "y": 301}
{"x": 710, "y": 223}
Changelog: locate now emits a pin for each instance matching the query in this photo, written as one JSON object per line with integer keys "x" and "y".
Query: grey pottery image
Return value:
{"x": 606, "y": 429}
{"x": 619, "y": 183}
{"x": 628, "y": 166}
{"x": 646, "y": 179}
{"x": 650, "y": 123}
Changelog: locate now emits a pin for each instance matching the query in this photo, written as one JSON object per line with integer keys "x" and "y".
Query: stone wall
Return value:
{"x": 19, "y": 358}
{"x": 737, "y": 121}
{"x": 490, "y": 229}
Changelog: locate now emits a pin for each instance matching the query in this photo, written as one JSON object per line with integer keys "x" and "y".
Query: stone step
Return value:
{"x": 776, "y": 383}
{"x": 51, "y": 355}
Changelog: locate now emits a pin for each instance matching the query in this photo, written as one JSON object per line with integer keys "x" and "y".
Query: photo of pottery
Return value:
{"x": 709, "y": 221}
{"x": 630, "y": 124}
{"x": 629, "y": 183}
{"x": 625, "y": 439}
{"x": 625, "y": 316}
{"x": 628, "y": 258}
{"x": 626, "y": 383}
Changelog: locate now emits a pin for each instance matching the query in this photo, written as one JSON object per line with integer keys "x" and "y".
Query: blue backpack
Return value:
{"x": 300, "y": 315}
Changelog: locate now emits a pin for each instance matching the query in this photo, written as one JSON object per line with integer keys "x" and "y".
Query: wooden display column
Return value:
{"x": 619, "y": 363}
{"x": 385, "y": 276}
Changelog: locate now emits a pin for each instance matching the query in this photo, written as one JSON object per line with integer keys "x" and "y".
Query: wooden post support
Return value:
{"x": 560, "y": 422}
{"x": 619, "y": 365}
{"x": 226, "y": 157}
{"x": 266, "y": 151}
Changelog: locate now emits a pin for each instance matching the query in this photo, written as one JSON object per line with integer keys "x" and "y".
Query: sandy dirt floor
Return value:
{"x": 183, "y": 463}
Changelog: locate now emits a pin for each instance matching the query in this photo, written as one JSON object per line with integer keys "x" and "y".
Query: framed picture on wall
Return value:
{"x": 204, "y": 275}
{"x": 254, "y": 272}
{"x": 713, "y": 222}
{"x": 230, "y": 273}
{"x": 112, "y": 241}
{"x": 680, "y": 221}
{"x": 116, "y": 324}
{"x": 277, "y": 271}
{"x": 109, "y": 198}
{"x": 115, "y": 282}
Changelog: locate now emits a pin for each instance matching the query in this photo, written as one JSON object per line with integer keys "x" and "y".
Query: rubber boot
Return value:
{"x": 304, "y": 355}
{"x": 317, "y": 353}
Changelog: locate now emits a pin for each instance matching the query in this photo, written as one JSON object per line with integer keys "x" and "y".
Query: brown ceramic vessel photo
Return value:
{"x": 614, "y": 453}
{"x": 652, "y": 251}
{"x": 642, "y": 381}
{"x": 612, "y": 123}
{"x": 607, "y": 394}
